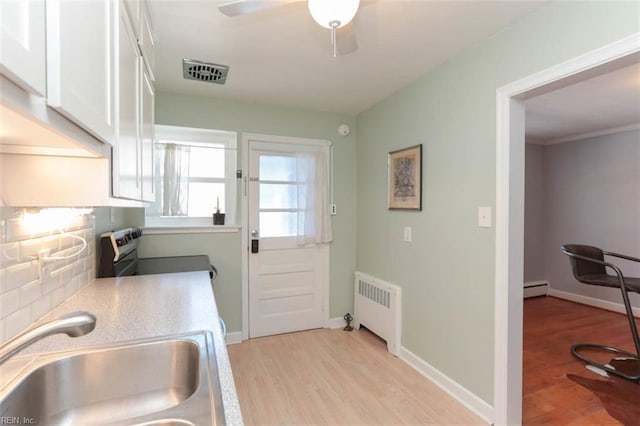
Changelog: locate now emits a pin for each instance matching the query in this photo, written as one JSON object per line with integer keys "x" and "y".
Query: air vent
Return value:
{"x": 203, "y": 71}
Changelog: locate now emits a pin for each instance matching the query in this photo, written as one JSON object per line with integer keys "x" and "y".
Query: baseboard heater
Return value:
{"x": 536, "y": 288}
{"x": 377, "y": 306}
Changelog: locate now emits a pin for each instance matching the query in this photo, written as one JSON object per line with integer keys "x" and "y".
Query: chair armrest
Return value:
{"x": 621, "y": 256}
{"x": 606, "y": 264}
{"x": 588, "y": 259}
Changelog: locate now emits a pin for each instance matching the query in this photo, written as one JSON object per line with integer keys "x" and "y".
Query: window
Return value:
{"x": 278, "y": 205}
{"x": 290, "y": 191}
{"x": 194, "y": 174}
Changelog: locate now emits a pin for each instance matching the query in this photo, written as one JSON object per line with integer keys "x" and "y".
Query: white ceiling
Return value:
{"x": 603, "y": 104}
{"x": 282, "y": 57}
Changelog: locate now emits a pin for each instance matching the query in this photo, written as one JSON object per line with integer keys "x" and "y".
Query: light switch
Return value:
{"x": 484, "y": 217}
{"x": 407, "y": 234}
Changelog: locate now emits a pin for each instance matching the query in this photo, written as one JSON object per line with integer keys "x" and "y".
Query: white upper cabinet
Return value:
{"x": 22, "y": 43}
{"x": 80, "y": 71}
{"x": 134, "y": 9}
{"x": 126, "y": 152}
{"x": 140, "y": 17}
{"x": 133, "y": 152}
{"x": 147, "y": 134}
{"x": 147, "y": 44}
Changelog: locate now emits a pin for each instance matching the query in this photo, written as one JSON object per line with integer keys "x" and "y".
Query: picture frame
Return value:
{"x": 405, "y": 179}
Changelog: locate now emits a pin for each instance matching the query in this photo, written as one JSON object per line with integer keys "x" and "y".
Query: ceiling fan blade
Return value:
{"x": 245, "y": 7}
{"x": 346, "y": 38}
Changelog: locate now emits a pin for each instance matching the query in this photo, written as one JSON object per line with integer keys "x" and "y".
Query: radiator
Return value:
{"x": 377, "y": 306}
{"x": 536, "y": 288}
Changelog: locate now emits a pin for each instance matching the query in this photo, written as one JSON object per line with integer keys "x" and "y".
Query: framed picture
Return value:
{"x": 405, "y": 179}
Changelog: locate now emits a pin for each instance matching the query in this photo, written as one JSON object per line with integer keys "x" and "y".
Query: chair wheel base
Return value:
{"x": 628, "y": 367}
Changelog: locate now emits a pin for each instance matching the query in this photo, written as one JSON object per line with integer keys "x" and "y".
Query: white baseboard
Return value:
{"x": 337, "y": 322}
{"x": 233, "y": 337}
{"x": 453, "y": 388}
{"x": 236, "y": 336}
{"x": 592, "y": 301}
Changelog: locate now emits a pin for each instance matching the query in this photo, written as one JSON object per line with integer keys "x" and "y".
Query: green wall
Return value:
{"x": 224, "y": 249}
{"x": 447, "y": 272}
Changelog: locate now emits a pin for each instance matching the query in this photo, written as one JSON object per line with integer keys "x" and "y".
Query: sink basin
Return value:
{"x": 159, "y": 382}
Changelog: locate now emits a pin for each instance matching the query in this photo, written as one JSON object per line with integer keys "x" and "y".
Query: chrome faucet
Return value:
{"x": 73, "y": 324}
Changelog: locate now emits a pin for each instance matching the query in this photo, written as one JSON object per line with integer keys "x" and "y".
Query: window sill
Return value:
{"x": 208, "y": 229}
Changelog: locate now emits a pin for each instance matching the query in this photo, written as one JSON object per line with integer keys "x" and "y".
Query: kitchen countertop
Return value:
{"x": 145, "y": 306}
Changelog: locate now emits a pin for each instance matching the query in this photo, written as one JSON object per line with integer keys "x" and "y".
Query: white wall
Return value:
{"x": 592, "y": 196}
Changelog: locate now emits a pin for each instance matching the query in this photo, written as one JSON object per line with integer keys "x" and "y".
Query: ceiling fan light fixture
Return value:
{"x": 333, "y": 13}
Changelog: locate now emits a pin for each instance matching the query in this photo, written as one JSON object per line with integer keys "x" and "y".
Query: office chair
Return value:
{"x": 589, "y": 267}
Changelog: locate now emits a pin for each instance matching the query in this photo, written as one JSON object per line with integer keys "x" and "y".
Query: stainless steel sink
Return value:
{"x": 166, "y": 381}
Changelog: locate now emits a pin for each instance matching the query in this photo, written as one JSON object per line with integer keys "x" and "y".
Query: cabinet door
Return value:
{"x": 80, "y": 63}
{"x": 147, "y": 134}
{"x": 126, "y": 169}
{"x": 147, "y": 45}
{"x": 134, "y": 8}
{"x": 22, "y": 54}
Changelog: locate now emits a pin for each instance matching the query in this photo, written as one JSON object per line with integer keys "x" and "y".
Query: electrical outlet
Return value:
{"x": 334, "y": 210}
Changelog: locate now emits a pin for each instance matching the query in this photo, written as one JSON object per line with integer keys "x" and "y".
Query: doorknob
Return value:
{"x": 255, "y": 233}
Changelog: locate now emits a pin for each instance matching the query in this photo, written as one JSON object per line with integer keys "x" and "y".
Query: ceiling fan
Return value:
{"x": 335, "y": 15}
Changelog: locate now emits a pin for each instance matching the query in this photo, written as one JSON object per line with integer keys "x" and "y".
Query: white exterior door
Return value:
{"x": 288, "y": 283}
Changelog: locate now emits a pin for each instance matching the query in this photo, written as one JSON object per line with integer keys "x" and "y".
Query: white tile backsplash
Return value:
{"x": 9, "y": 302}
{"x": 30, "y": 248}
{"x": 40, "y": 307}
{"x": 26, "y": 293}
{"x": 9, "y": 254}
{"x": 65, "y": 274}
{"x": 79, "y": 266}
{"x": 22, "y": 273}
{"x": 71, "y": 287}
{"x": 58, "y": 296}
{"x": 17, "y": 321}
{"x": 29, "y": 293}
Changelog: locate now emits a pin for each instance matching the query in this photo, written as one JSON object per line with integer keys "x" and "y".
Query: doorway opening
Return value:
{"x": 510, "y": 210}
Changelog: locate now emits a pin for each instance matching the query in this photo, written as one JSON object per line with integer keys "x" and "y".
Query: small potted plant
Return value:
{"x": 218, "y": 218}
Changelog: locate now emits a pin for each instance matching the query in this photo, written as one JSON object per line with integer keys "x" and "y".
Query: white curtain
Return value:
{"x": 174, "y": 179}
{"x": 314, "y": 220}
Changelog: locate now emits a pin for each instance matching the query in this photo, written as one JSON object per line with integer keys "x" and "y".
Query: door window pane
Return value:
{"x": 202, "y": 198}
{"x": 278, "y": 196}
{"x": 278, "y": 224}
{"x": 278, "y": 167}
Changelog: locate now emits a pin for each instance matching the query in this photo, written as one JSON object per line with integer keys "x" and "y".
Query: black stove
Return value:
{"x": 119, "y": 257}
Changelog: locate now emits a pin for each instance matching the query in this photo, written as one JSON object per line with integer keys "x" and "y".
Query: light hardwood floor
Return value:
{"x": 331, "y": 377}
